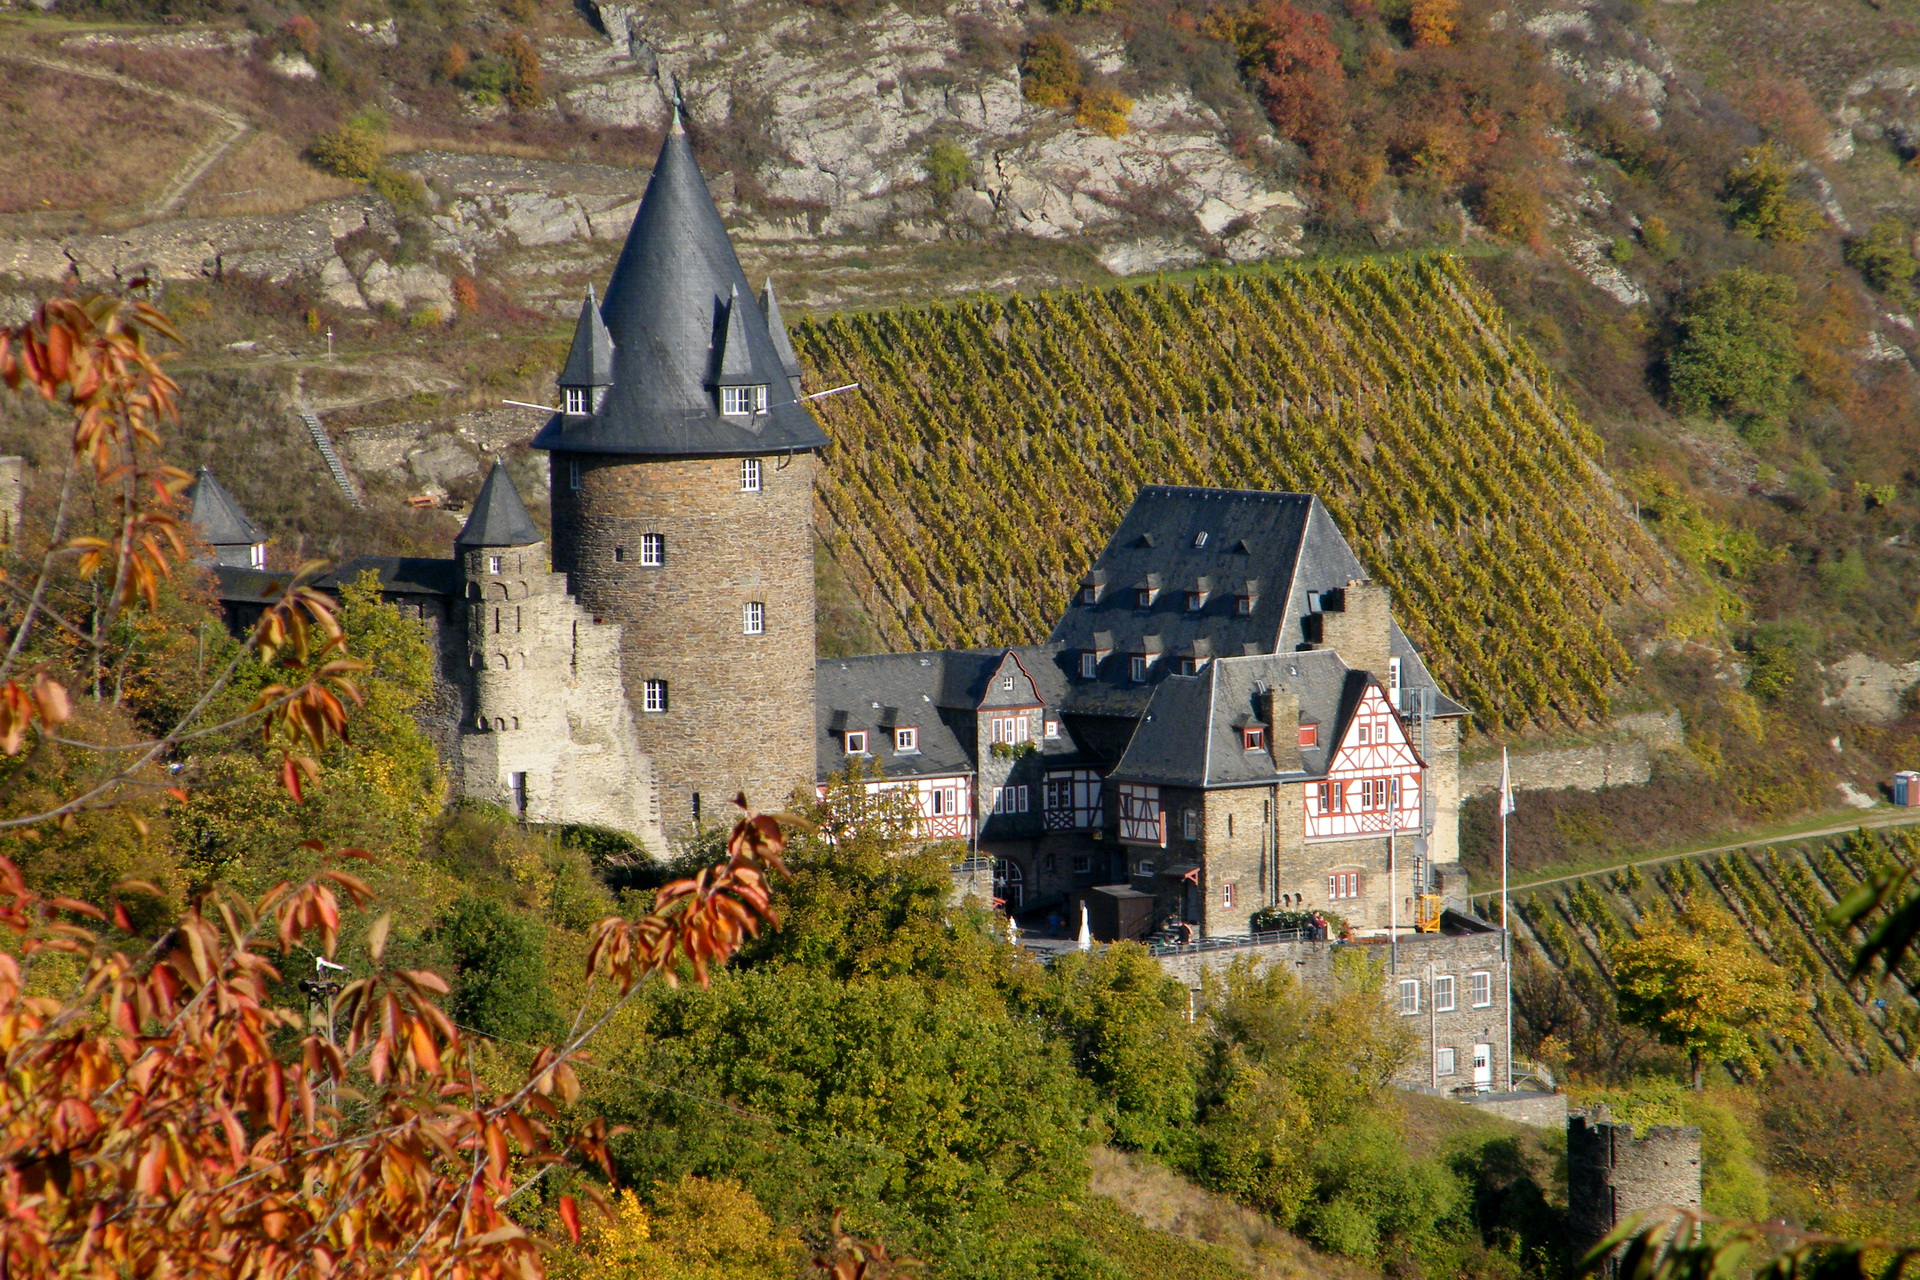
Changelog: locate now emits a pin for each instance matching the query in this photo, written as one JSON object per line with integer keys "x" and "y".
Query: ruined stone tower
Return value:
{"x": 550, "y": 734}
{"x": 1612, "y": 1175}
{"x": 683, "y": 490}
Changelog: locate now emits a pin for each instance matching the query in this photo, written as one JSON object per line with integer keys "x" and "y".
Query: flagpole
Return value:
{"x": 1506, "y": 934}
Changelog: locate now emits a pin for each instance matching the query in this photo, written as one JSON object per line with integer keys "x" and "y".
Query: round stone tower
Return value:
{"x": 1612, "y": 1175}
{"x": 683, "y": 491}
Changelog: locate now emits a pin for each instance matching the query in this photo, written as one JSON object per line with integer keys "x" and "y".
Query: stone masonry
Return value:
{"x": 1612, "y": 1175}
{"x": 739, "y": 714}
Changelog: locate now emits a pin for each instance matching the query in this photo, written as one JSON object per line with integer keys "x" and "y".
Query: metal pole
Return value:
{"x": 1393, "y": 890}
{"x": 1433, "y": 1032}
{"x": 1506, "y": 932}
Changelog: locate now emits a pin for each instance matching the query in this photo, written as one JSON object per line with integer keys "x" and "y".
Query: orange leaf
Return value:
{"x": 570, "y": 1214}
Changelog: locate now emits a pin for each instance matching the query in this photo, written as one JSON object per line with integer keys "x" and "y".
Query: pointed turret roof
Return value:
{"x": 590, "y": 362}
{"x": 499, "y": 518}
{"x": 777, "y": 328}
{"x": 675, "y": 293}
{"x": 217, "y": 517}
{"x": 736, "y": 348}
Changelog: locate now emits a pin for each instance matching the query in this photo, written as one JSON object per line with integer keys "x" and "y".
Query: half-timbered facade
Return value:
{"x": 1374, "y": 780}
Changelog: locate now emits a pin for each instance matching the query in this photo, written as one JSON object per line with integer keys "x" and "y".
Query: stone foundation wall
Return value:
{"x": 1588, "y": 768}
{"x": 1612, "y": 1175}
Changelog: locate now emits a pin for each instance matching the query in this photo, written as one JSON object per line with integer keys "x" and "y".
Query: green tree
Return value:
{"x": 1734, "y": 348}
{"x": 1696, "y": 982}
{"x": 500, "y": 971}
{"x": 1758, "y": 203}
{"x": 1126, "y": 1024}
{"x": 1050, "y": 71}
{"x": 1884, "y": 257}
{"x": 949, "y": 168}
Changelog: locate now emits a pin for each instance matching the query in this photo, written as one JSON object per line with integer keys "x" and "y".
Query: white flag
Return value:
{"x": 1506, "y": 784}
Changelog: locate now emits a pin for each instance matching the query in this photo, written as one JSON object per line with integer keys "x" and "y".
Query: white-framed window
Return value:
{"x": 1145, "y": 867}
{"x": 1343, "y": 884}
{"x": 1089, "y": 664}
{"x": 856, "y": 742}
{"x": 493, "y": 564}
{"x": 1373, "y": 793}
{"x": 1090, "y": 594}
{"x": 653, "y": 695}
{"x": 653, "y": 550}
{"x": 1010, "y": 799}
{"x": 1366, "y": 732}
{"x": 1327, "y": 797}
{"x": 1409, "y": 995}
{"x": 1480, "y": 989}
{"x": 1190, "y": 824}
{"x": 1006, "y": 683}
{"x": 576, "y": 400}
{"x": 1443, "y": 1062}
{"x": 1011, "y": 730}
{"x": 1196, "y": 601}
{"x": 1253, "y": 737}
{"x": 1243, "y": 605}
{"x": 1137, "y": 668}
{"x": 1393, "y": 680}
{"x": 1443, "y": 994}
{"x": 573, "y": 473}
{"x": 1227, "y": 892}
{"x": 939, "y": 801}
{"x": 749, "y": 475}
{"x": 1143, "y": 597}
{"x": 1052, "y": 728}
{"x": 905, "y": 739}
{"x": 743, "y": 400}
{"x": 753, "y": 619}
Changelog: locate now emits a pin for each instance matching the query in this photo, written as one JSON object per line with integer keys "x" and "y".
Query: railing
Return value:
{"x": 1229, "y": 942}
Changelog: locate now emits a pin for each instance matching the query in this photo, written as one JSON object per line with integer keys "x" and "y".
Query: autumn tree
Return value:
{"x": 1289, "y": 56}
{"x": 1696, "y": 982}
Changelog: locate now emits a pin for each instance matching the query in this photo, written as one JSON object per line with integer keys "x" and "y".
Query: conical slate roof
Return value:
{"x": 777, "y": 328}
{"x": 499, "y": 518}
{"x": 675, "y": 293}
{"x": 217, "y": 517}
{"x": 590, "y": 362}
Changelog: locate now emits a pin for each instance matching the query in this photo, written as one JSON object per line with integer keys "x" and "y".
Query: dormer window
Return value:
{"x": 1196, "y": 601}
{"x": 1243, "y": 605}
{"x": 856, "y": 742}
{"x": 1189, "y": 666}
{"x": 1090, "y": 594}
{"x": 1253, "y": 737}
{"x": 738, "y": 402}
{"x": 906, "y": 740}
{"x": 1137, "y": 668}
{"x": 576, "y": 400}
{"x": 1144, "y": 597}
{"x": 1089, "y": 664}
{"x": 1309, "y": 734}
{"x": 1200, "y": 539}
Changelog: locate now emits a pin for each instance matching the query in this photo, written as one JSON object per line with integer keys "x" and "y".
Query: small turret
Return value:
{"x": 777, "y": 330}
{"x": 237, "y": 542}
{"x": 589, "y": 369}
{"x": 742, "y": 389}
{"x": 499, "y": 517}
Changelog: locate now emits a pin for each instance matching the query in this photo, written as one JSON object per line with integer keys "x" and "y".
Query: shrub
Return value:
{"x": 347, "y": 153}
{"x": 1883, "y": 257}
{"x": 1658, "y": 239}
{"x": 1779, "y": 655}
{"x": 426, "y": 318}
{"x": 1049, "y": 71}
{"x": 404, "y": 191}
{"x": 948, "y": 166}
{"x": 524, "y": 76}
{"x": 1433, "y": 22}
{"x": 1734, "y": 350}
{"x": 1104, "y": 111}
{"x": 500, "y": 978}
{"x": 1757, "y": 202}
{"x": 1290, "y": 58}
{"x": 1510, "y": 206}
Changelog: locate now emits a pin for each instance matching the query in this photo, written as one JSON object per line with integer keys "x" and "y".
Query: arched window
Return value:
{"x": 500, "y": 724}
{"x": 1009, "y": 884}
{"x": 500, "y": 661}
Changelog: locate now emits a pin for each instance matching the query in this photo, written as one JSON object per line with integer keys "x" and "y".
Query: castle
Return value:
{"x": 1225, "y": 724}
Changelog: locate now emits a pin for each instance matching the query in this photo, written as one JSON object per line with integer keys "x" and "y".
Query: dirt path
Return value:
{"x": 190, "y": 170}
{"x": 1887, "y": 818}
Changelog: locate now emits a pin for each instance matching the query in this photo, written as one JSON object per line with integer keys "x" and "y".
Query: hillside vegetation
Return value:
{"x": 1780, "y": 896}
{"x": 995, "y": 442}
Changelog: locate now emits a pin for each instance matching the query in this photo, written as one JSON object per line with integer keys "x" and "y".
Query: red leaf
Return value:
{"x": 570, "y": 1214}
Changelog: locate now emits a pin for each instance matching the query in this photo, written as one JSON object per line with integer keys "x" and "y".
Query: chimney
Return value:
{"x": 1280, "y": 708}
{"x": 1356, "y": 623}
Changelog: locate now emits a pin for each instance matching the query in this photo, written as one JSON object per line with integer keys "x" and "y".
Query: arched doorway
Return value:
{"x": 1010, "y": 884}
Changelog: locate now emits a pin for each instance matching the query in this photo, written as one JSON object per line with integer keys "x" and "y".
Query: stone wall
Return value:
{"x": 739, "y": 714}
{"x": 13, "y": 493}
{"x": 1359, "y": 630}
{"x": 1611, "y": 1175}
{"x": 1586, "y": 768}
{"x": 1422, "y": 958}
{"x": 549, "y": 709}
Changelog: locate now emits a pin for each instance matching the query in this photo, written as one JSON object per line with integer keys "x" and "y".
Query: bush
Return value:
{"x": 1104, "y": 111}
{"x": 1049, "y": 71}
{"x": 948, "y": 166}
{"x": 500, "y": 971}
{"x": 1510, "y": 206}
{"x": 1734, "y": 351}
{"x": 1883, "y": 257}
{"x": 404, "y": 191}
{"x": 1757, "y": 202}
{"x": 347, "y": 152}
{"x": 1779, "y": 657}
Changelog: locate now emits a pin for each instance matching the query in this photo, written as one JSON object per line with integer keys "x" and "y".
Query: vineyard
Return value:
{"x": 996, "y": 442}
{"x": 1782, "y": 896}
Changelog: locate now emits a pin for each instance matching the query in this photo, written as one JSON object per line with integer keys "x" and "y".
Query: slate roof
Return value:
{"x": 406, "y": 575}
{"x": 935, "y": 692}
{"x": 676, "y": 294}
{"x": 1189, "y": 735}
{"x": 1286, "y": 544}
{"x": 777, "y": 328}
{"x": 590, "y": 359}
{"x": 499, "y": 518}
{"x": 233, "y": 584}
{"x": 217, "y": 516}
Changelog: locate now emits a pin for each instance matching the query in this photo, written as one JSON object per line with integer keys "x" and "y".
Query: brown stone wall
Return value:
{"x": 1612, "y": 1175}
{"x": 740, "y": 707}
{"x": 1237, "y": 839}
{"x": 1305, "y": 866}
{"x": 1359, "y": 631}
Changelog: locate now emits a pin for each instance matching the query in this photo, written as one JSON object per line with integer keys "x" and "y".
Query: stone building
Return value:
{"x": 1226, "y": 720}
{"x": 1612, "y": 1175}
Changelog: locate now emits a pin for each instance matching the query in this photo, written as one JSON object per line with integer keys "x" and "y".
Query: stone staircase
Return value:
{"x": 324, "y": 443}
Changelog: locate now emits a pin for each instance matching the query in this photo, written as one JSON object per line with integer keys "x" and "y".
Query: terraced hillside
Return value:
{"x": 1782, "y": 896}
{"x": 996, "y": 442}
